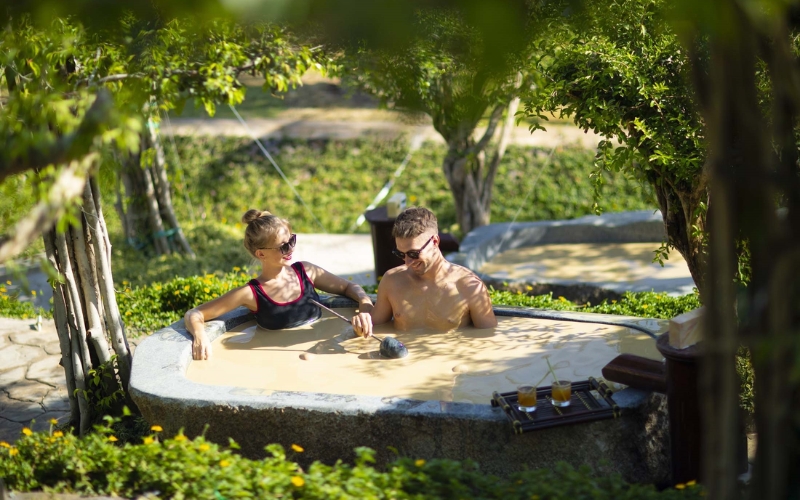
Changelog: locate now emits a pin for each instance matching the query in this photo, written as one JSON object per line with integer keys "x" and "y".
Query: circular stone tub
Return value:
{"x": 433, "y": 404}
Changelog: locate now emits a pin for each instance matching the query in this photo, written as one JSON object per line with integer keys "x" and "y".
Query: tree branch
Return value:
{"x": 494, "y": 119}
{"x": 69, "y": 147}
{"x": 46, "y": 213}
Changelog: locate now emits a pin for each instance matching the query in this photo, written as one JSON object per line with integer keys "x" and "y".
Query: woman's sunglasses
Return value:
{"x": 412, "y": 254}
{"x": 286, "y": 247}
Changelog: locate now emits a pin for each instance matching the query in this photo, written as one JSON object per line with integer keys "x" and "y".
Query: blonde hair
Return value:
{"x": 261, "y": 228}
{"x": 414, "y": 221}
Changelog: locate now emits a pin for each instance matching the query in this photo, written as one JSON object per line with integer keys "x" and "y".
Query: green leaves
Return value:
{"x": 178, "y": 467}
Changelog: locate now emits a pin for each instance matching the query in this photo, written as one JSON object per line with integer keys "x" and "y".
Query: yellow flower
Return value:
{"x": 562, "y": 299}
{"x": 204, "y": 447}
{"x": 237, "y": 269}
{"x": 298, "y": 481}
{"x": 528, "y": 288}
{"x": 157, "y": 287}
{"x": 58, "y": 434}
{"x": 13, "y": 451}
{"x": 680, "y": 486}
{"x": 367, "y": 275}
{"x": 3, "y": 444}
{"x": 33, "y": 292}
{"x": 113, "y": 439}
{"x": 691, "y": 483}
{"x": 224, "y": 463}
{"x": 186, "y": 288}
{"x": 613, "y": 301}
{"x": 148, "y": 440}
{"x": 127, "y": 290}
{"x": 644, "y": 306}
{"x": 206, "y": 289}
{"x": 420, "y": 462}
{"x": 128, "y": 313}
{"x": 53, "y": 421}
{"x": 27, "y": 431}
{"x": 177, "y": 292}
{"x": 156, "y": 428}
{"x": 8, "y": 282}
{"x": 180, "y": 437}
{"x": 298, "y": 448}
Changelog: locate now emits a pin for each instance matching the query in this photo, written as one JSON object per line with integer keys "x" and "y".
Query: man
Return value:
{"x": 428, "y": 291}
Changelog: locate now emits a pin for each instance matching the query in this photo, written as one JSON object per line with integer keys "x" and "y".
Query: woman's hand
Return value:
{"x": 201, "y": 347}
{"x": 362, "y": 324}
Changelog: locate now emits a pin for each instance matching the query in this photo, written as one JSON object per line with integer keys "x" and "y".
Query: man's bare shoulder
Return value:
{"x": 466, "y": 279}
{"x": 395, "y": 275}
{"x": 462, "y": 272}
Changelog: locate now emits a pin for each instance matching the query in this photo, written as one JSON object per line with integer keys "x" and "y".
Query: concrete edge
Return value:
{"x": 162, "y": 359}
{"x": 483, "y": 243}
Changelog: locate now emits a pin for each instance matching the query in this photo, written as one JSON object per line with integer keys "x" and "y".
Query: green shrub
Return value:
{"x": 181, "y": 468}
{"x": 12, "y": 307}
{"x": 146, "y": 308}
{"x": 640, "y": 304}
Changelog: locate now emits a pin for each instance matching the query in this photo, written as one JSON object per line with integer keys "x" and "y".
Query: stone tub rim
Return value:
{"x": 162, "y": 359}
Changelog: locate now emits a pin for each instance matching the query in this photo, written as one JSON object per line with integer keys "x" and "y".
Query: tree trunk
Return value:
{"x": 747, "y": 178}
{"x": 470, "y": 178}
{"x": 149, "y": 217}
{"x": 163, "y": 189}
{"x": 86, "y": 314}
{"x": 679, "y": 211}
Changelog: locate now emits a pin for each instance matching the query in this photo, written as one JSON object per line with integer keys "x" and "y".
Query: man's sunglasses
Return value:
{"x": 412, "y": 254}
{"x": 286, "y": 247}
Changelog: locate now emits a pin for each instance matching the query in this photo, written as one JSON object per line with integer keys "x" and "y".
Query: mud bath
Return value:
{"x": 464, "y": 365}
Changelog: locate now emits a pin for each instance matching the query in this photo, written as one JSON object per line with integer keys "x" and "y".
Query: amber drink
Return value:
{"x": 526, "y": 397}
{"x": 561, "y": 392}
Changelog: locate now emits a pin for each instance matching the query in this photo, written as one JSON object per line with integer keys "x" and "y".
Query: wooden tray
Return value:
{"x": 591, "y": 400}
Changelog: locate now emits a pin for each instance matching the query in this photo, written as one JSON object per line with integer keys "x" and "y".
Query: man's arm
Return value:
{"x": 480, "y": 305}
{"x": 382, "y": 312}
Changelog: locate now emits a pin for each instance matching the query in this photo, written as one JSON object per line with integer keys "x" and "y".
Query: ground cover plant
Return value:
{"x": 178, "y": 467}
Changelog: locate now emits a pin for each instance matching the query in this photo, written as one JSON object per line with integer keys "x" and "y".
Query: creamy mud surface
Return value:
{"x": 465, "y": 365}
{"x": 587, "y": 262}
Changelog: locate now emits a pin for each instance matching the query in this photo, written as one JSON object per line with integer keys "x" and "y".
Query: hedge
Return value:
{"x": 180, "y": 468}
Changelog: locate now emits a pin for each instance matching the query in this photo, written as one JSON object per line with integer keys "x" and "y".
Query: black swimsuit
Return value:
{"x": 279, "y": 315}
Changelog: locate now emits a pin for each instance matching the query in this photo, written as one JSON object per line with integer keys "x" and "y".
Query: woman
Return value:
{"x": 280, "y": 296}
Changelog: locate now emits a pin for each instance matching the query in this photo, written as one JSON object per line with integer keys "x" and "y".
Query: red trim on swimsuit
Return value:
{"x": 302, "y": 290}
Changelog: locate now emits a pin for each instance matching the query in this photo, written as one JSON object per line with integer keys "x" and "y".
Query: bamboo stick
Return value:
{"x": 62, "y": 328}
{"x": 80, "y": 380}
{"x": 98, "y": 211}
{"x": 87, "y": 278}
{"x": 73, "y": 304}
{"x": 114, "y": 323}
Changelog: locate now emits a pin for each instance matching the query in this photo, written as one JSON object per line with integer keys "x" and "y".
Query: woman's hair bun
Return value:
{"x": 254, "y": 214}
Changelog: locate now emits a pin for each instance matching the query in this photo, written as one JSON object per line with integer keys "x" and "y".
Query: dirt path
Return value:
{"x": 312, "y": 123}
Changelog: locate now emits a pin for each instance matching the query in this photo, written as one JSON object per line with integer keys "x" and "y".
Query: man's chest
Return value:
{"x": 440, "y": 308}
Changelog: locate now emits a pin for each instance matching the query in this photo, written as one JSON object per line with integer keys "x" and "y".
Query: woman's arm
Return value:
{"x": 195, "y": 318}
{"x": 329, "y": 282}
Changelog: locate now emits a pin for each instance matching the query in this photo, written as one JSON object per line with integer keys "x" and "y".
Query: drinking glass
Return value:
{"x": 561, "y": 392}
{"x": 526, "y": 397}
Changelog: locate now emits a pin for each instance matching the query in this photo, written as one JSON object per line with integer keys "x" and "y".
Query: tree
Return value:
{"x": 749, "y": 93}
{"x": 618, "y": 69}
{"x": 446, "y": 72}
{"x": 72, "y": 99}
